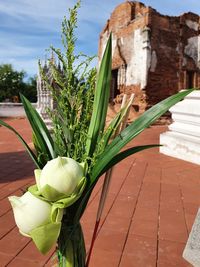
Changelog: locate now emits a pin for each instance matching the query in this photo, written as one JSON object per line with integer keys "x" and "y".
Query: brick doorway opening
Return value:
{"x": 114, "y": 91}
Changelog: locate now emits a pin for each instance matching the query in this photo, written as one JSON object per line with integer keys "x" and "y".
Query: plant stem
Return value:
{"x": 71, "y": 246}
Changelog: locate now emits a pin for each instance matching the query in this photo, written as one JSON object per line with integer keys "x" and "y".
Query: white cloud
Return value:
{"x": 35, "y": 8}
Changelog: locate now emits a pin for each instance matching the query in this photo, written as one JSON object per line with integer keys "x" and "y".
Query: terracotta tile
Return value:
{"x": 139, "y": 252}
{"x": 189, "y": 221}
{"x": 7, "y": 223}
{"x": 131, "y": 187}
{"x": 13, "y": 242}
{"x": 117, "y": 223}
{"x": 172, "y": 226}
{"x": 148, "y": 202}
{"x": 110, "y": 240}
{"x": 17, "y": 262}
{"x": 146, "y": 228}
{"x": 169, "y": 177}
{"x": 190, "y": 208}
{"x": 124, "y": 206}
{"x": 5, "y": 206}
{"x": 137, "y": 260}
{"x": 5, "y": 259}
{"x": 170, "y": 198}
{"x": 153, "y": 174}
{"x": 101, "y": 257}
{"x": 149, "y": 195}
{"x": 12, "y": 187}
{"x": 30, "y": 252}
{"x": 170, "y": 254}
{"x": 193, "y": 180}
{"x": 2, "y": 184}
{"x": 191, "y": 193}
{"x": 142, "y": 213}
{"x": 135, "y": 177}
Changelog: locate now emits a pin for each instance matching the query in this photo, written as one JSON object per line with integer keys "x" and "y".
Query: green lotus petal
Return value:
{"x": 45, "y": 236}
{"x": 60, "y": 201}
{"x": 56, "y": 214}
{"x": 47, "y": 193}
{"x": 50, "y": 193}
{"x": 37, "y": 173}
{"x": 33, "y": 189}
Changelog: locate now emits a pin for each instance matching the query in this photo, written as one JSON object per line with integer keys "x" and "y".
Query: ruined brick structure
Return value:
{"x": 154, "y": 55}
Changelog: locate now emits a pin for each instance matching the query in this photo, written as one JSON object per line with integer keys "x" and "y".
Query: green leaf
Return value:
{"x": 101, "y": 99}
{"x": 32, "y": 155}
{"x": 115, "y": 123}
{"x": 41, "y": 157}
{"x": 126, "y": 153}
{"x": 135, "y": 128}
{"x": 40, "y": 130}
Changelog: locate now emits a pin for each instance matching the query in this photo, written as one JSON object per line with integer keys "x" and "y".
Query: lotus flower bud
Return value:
{"x": 62, "y": 174}
{"x": 29, "y": 212}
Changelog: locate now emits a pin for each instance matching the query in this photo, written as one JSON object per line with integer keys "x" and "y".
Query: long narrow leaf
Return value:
{"x": 113, "y": 126}
{"x": 120, "y": 141}
{"x": 39, "y": 128}
{"x": 101, "y": 100}
{"x": 126, "y": 153}
{"x": 136, "y": 127}
{"x": 32, "y": 155}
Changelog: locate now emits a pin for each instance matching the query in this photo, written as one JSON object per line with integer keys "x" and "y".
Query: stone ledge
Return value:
{"x": 12, "y": 109}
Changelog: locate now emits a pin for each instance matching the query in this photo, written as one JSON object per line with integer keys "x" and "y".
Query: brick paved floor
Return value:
{"x": 151, "y": 206}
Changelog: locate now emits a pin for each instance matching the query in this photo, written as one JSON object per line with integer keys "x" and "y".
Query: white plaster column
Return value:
{"x": 182, "y": 140}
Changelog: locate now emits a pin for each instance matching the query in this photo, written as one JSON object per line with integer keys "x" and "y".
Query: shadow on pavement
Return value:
{"x": 15, "y": 166}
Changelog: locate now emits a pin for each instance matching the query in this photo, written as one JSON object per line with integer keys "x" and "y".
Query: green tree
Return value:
{"x": 29, "y": 89}
{"x": 12, "y": 83}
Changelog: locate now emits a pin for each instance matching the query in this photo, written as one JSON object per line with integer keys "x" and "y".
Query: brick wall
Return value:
{"x": 154, "y": 55}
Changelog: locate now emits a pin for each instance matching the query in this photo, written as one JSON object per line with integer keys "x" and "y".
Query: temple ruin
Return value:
{"x": 154, "y": 55}
{"x": 44, "y": 96}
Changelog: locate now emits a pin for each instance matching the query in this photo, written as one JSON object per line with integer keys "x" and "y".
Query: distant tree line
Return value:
{"x": 12, "y": 83}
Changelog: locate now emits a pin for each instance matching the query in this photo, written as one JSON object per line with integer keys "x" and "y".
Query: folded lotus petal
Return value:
{"x": 47, "y": 193}
{"x": 33, "y": 189}
{"x": 37, "y": 173}
{"x": 50, "y": 194}
{"x": 45, "y": 236}
{"x": 56, "y": 214}
{"x": 68, "y": 201}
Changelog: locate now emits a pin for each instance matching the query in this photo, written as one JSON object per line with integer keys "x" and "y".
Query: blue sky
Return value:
{"x": 29, "y": 27}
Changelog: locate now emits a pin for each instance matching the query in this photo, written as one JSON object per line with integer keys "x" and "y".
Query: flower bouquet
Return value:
{"x": 79, "y": 149}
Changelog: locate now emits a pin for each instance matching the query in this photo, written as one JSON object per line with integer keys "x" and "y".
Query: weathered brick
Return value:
{"x": 154, "y": 56}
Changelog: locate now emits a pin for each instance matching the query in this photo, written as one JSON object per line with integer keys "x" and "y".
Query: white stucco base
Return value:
{"x": 183, "y": 138}
{"x": 181, "y": 146}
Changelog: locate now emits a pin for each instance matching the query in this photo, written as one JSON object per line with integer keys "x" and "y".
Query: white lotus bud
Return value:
{"x": 29, "y": 212}
{"x": 62, "y": 174}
